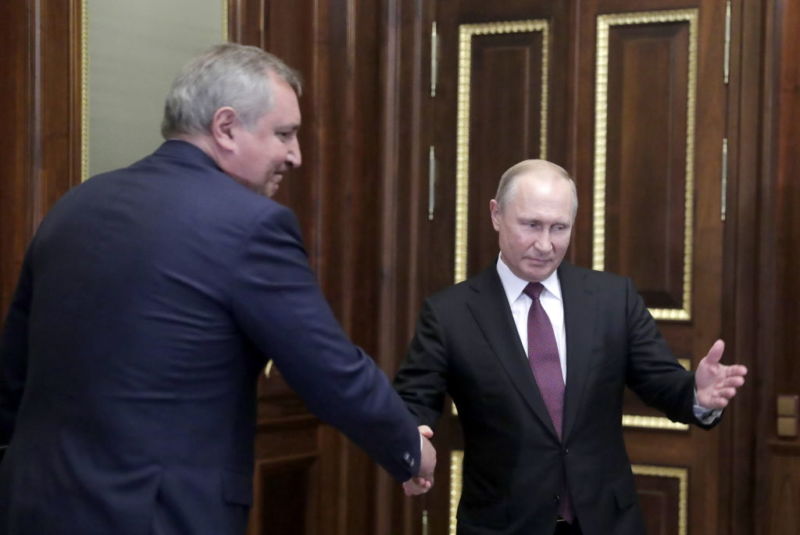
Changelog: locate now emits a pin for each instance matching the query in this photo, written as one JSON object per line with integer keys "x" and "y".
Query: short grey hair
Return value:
{"x": 506, "y": 186}
{"x": 225, "y": 75}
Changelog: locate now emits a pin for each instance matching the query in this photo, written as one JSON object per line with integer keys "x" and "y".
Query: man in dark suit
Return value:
{"x": 150, "y": 299}
{"x": 536, "y": 353}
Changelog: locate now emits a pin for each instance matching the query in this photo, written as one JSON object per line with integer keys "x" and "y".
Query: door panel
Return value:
{"x": 629, "y": 97}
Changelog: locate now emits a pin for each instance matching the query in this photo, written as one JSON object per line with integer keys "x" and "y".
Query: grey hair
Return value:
{"x": 225, "y": 75}
{"x": 506, "y": 186}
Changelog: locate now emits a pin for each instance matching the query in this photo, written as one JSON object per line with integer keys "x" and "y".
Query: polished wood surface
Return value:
{"x": 778, "y": 467}
{"x": 16, "y": 86}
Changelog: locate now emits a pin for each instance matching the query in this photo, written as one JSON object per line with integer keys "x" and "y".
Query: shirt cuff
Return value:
{"x": 704, "y": 415}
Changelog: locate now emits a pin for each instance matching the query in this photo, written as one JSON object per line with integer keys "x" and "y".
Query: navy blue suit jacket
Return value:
{"x": 150, "y": 299}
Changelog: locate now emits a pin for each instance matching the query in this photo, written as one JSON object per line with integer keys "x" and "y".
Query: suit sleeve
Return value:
{"x": 14, "y": 354}
{"x": 422, "y": 379}
{"x": 653, "y": 372}
{"x": 279, "y": 306}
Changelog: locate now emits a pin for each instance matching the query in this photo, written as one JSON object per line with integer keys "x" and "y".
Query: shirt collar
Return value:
{"x": 513, "y": 285}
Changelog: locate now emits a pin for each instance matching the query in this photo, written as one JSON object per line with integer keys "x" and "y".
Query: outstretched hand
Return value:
{"x": 423, "y": 481}
{"x": 716, "y": 383}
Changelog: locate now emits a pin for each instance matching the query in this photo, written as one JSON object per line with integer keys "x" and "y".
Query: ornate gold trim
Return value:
{"x": 652, "y": 422}
{"x": 466, "y": 31}
{"x": 84, "y": 91}
{"x": 225, "y": 20}
{"x": 604, "y": 22}
{"x": 456, "y": 467}
{"x": 682, "y": 475}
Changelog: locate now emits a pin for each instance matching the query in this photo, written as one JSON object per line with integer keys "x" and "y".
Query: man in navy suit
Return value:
{"x": 149, "y": 300}
{"x": 535, "y": 353}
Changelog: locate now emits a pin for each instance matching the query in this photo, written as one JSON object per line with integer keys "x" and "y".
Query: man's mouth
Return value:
{"x": 538, "y": 260}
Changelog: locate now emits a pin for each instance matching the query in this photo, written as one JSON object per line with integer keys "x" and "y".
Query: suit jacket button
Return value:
{"x": 557, "y": 498}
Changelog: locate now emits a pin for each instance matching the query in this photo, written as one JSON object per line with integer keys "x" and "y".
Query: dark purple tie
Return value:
{"x": 546, "y": 366}
{"x": 543, "y": 356}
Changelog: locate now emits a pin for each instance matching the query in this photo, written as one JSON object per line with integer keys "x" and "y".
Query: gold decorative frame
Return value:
{"x": 659, "y": 423}
{"x": 84, "y": 90}
{"x": 84, "y": 170}
{"x": 456, "y": 468}
{"x": 466, "y": 32}
{"x": 682, "y": 475}
{"x": 604, "y": 22}
{"x": 652, "y": 422}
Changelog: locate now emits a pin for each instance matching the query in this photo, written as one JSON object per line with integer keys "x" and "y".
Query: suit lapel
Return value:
{"x": 579, "y": 312}
{"x": 489, "y": 306}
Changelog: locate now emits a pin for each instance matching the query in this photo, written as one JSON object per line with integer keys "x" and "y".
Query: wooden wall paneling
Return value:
{"x": 57, "y": 100}
{"x": 778, "y": 493}
{"x": 42, "y": 62}
{"x": 351, "y": 250}
{"x": 646, "y": 155}
{"x": 246, "y": 22}
{"x": 744, "y": 250}
{"x": 405, "y": 140}
{"x": 784, "y": 490}
{"x": 663, "y": 496}
{"x": 16, "y": 86}
{"x": 787, "y": 175}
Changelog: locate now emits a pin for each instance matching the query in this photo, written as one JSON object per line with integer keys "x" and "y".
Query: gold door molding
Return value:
{"x": 456, "y": 467}
{"x": 682, "y": 477}
{"x": 604, "y": 23}
{"x": 466, "y": 33}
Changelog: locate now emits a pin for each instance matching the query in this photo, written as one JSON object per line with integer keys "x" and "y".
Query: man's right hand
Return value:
{"x": 423, "y": 481}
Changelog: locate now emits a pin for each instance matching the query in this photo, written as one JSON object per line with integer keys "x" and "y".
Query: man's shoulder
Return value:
{"x": 486, "y": 280}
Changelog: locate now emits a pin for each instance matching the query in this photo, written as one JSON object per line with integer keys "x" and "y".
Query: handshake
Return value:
{"x": 423, "y": 481}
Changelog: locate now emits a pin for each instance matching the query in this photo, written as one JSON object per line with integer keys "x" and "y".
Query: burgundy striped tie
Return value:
{"x": 546, "y": 366}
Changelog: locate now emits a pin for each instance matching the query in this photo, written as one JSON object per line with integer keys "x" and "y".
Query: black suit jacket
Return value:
{"x": 149, "y": 302}
{"x": 466, "y": 344}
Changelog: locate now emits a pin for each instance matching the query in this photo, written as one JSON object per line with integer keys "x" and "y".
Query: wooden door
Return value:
{"x": 630, "y": 97}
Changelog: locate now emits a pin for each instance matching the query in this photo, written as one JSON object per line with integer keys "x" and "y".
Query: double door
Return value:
{"x": 631, "y": 98}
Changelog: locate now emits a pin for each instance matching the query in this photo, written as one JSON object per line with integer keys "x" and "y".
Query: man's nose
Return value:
{"x": 543, "y": 242}
{"x": 294, "y": 158}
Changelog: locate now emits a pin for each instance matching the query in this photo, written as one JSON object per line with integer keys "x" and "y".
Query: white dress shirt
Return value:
{"x": 520, "y": 304}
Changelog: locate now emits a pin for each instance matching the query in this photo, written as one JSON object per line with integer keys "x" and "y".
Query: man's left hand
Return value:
{"x": 716, "y": 383}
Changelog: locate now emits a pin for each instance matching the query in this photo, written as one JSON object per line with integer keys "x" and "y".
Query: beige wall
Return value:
{"x": 133, "y": 51}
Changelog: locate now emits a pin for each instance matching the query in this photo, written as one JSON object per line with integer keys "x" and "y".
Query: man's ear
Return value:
{"x": 223, "y": 127}
{"x": 494, "y": 210}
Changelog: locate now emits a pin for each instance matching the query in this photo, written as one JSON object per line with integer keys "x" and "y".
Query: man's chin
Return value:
{"x": 270, "y": 189}
{"x": 539, "y": 271}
